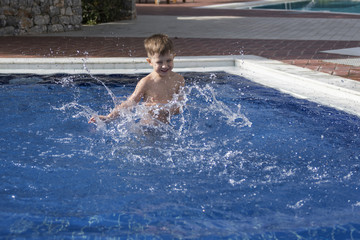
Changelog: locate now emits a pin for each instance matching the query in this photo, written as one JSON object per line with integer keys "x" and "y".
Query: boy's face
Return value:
{"x": 162, "y": 64}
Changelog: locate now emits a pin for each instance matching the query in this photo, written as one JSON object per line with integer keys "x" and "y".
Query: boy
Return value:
{"x": 160, "y": 90}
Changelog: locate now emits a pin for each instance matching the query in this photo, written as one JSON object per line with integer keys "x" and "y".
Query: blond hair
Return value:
{"x": 158, "y": 43}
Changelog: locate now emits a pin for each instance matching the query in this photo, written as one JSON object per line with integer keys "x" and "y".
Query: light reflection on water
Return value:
{"x": 336, "y": 6}
{"x": 241, "y": 161}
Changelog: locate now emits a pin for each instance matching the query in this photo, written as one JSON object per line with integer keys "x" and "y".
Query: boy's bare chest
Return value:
{"x": 161, "y": 93}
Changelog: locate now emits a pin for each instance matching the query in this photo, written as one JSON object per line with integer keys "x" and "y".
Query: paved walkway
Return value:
{"x": 228, "y": 27}
{"x": 292, "y": 37}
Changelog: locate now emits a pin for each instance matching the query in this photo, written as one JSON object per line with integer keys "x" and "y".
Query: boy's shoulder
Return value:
{"x": 178, "y": 75}
{"x": 145, "y": 79}
{"x": 179, "y": 78}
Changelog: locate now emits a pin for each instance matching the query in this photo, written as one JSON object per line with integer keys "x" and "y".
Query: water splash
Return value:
{"x": 113, "y": 97}
{"x": 191, "y": 134}
{"x": 232, "y": 118}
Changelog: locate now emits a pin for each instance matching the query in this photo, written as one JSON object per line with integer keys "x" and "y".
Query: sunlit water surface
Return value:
{"x": 242, "y": 161}
{"x": 338, "y": 6}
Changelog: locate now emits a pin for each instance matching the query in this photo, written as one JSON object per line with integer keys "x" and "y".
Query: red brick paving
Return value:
{"x": 354, "y": 73}
{"x": 300, "y": 53}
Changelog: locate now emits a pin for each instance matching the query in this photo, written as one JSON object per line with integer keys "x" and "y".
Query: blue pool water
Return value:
{"x": 340, "y": 6}
{"x": 243, "y": 161}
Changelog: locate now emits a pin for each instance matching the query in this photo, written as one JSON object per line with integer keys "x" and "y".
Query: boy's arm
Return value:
{"x": 113, "y": 114}
{"x": 134, "y": 98}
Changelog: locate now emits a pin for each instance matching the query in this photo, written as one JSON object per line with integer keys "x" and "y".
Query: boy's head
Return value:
{"x": 158, "y": 44}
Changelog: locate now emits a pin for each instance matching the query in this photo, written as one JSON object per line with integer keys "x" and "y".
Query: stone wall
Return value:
{"x": 21, "y": 17}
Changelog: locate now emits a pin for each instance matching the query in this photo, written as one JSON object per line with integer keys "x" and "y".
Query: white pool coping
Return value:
{"x": 322, "y": 88}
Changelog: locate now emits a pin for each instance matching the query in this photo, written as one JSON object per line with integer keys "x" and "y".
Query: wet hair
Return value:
{"x": 158, "y": 43}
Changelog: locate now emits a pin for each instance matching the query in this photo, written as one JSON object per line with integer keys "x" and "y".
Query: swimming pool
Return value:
{"x": 342, "y": 6}
{"x": 242, "y": 161}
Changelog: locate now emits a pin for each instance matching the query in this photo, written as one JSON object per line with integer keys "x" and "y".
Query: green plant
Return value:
{"x": 90, "y": 13}
{"x": 100, "y": 11}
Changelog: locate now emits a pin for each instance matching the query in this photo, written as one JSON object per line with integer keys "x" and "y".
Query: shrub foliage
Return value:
{"x": 100, "y": 11}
